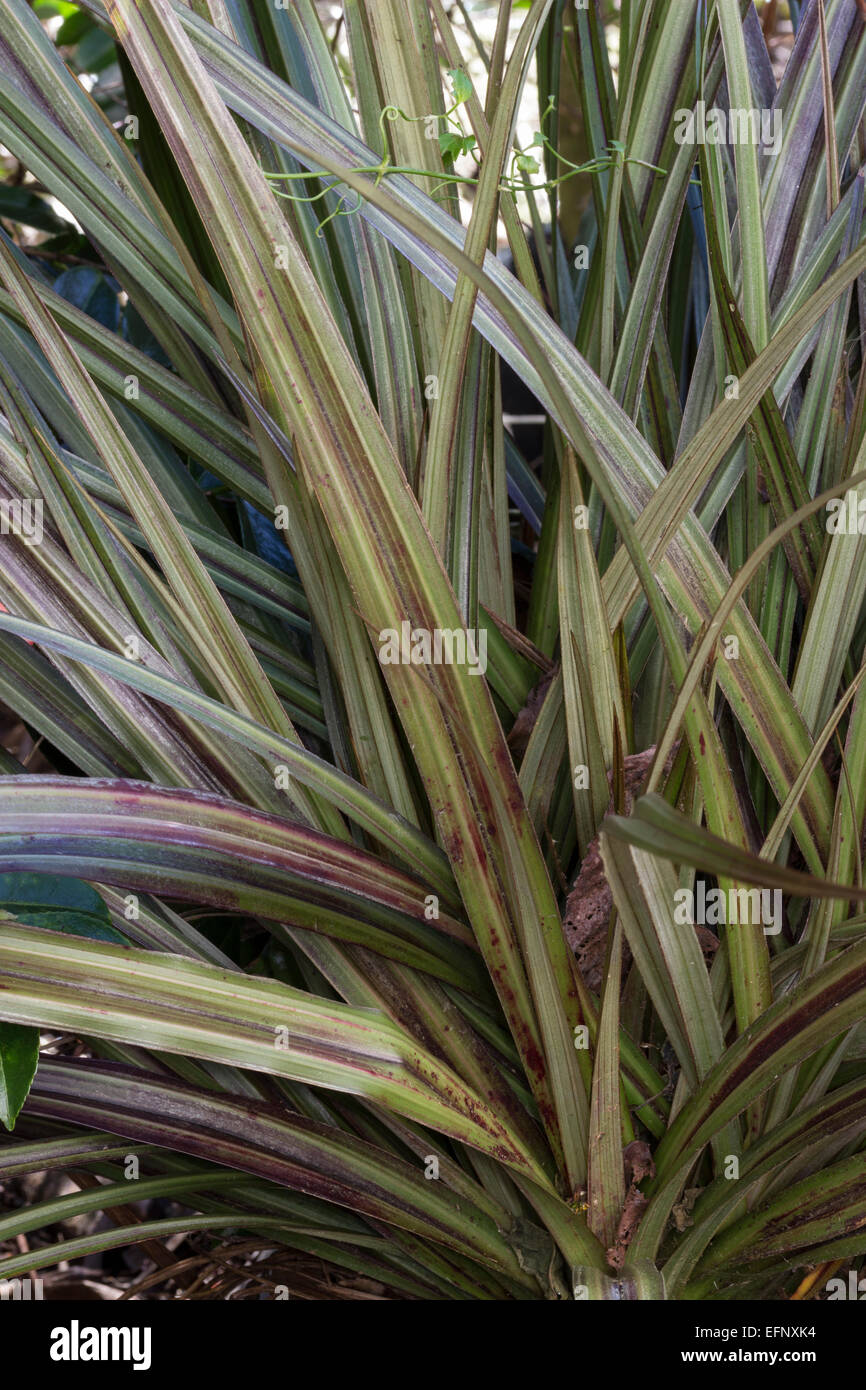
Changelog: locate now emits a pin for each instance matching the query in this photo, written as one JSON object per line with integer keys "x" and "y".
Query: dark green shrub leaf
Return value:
{"x": 57, "y": 904}
{"x": 19, "y": 1054}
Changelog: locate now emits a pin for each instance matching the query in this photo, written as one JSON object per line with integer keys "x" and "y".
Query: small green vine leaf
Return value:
{"x": 452, "y": 146}
{"x": 460, "y": 85}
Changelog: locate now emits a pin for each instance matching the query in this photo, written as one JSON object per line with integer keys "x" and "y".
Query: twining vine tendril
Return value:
{"x": 454, "y": 143}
